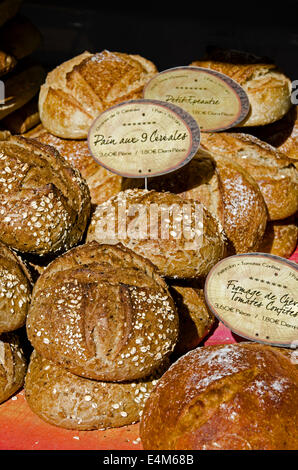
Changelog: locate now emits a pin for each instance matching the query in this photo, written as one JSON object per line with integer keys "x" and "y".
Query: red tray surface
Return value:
{"x": 21, "y": 429}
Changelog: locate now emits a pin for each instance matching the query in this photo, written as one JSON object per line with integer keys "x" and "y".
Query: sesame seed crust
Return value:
{"x": 103, "y": 313}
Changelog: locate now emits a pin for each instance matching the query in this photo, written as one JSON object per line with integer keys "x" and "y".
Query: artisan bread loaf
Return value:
{"x": 103, "y": 313}
{"x": 45, "y": 204}
{"x": 15, "y": 290}
{"x": 226, "y": 190}
{"x": 13, "y": 365}
{"x": 19, "y": 37}
{"x": 281, "y": 237}
{"x": 66, "y": 400}
{"x": 23, "y": 119}
{"x": 78, "y": 90}
{"x": 275, "y": 174}
{"x": 267, "y": 88}
{"x": 225, "y": 397}
{"x": 181, "y": 238}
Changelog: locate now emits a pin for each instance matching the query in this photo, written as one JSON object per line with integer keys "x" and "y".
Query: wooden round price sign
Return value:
{"x": 215, "y": 100}
{"x": 143, "y": 138}
{"x": 256, "y": 296}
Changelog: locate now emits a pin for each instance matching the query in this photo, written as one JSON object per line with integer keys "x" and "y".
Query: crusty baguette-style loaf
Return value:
{"x": 13, "y": 365}
{"x": 225, "y": 397}
{"x": 181, "y": 238}
{"x": 66, "y": 400}
{"x": 267, "y": 88}
{"x": 281, "y": 237}
{"x": 103, "y": 313}
{"x": 226, "y": 190}
{"x": 275, "y": 174}
{"x": 23, "y": 119}
{"x": 45, "y": 204}
{"x": 78, "y": 90}
{"x": 15, "y": 290}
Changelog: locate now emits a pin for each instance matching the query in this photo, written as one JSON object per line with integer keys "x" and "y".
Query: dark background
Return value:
{"x": 169, "y": 34}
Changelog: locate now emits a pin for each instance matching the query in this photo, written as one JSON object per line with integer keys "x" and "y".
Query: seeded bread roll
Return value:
{"x": 12, "y": 365}
{"x": 45, "y": 204}
{"x": 78, "y": 90}
{"x": 182, "y": 239}
{"x": 103, "y": 313}
{"x": 227, "y": 397}
{"x": 275, "y": 174}
{"x": 226, "y": 190}
{"x": 281, "y": 237}
{"x": 66, "y": 400}
{"x": 15, "y": 290}
{"x": 267, "y": 88}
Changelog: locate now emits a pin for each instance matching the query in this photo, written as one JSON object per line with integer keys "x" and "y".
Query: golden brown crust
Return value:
{"x": 281, "y": 237}
{"x": 78, "y": 90}
{"x": 236, "y": 396}
{"x": 23, "y": 119}
{"x": 45, "y": 204}
{"x": 182, "y": 239}
{"x": 102, "y": 312}
{"x": 12, "y": 365}
{"x": 275, "y": 174}
{"x": 72, "y": 402}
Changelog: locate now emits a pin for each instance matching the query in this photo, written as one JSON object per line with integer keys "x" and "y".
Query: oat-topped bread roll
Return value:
{"x": 275, "y": 174}
{"x": 15, "y": 290}
{"x": 267, "y": 88}
{"x": 281, "y": 237}
{"x": 103, "y": 313}
{"x": 195, "y": 320}
{"x": 8, "y": 9}
{"x": 78, "y": 90}
{"x": 227, "y": 397}
{"x": 45, "y": 203}
{"x": 66, "y": 400}
{"x": 102, "y": 183}
{"x": 226, "y": 190}
{"x": 181, "y": 238}
{"x": 13, "y": 365}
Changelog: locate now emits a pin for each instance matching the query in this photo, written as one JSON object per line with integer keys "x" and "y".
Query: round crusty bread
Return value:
{"x": 13, "y": 365}
{"x": 267, "y": 88}
{"x": 182, "y": 239}
{"x": 195, "y": 320}
{"x": 103, "y": 313}
{"x": 281, "y": 237}
{"x": 102, "y": 183}
{"x": 45, "y": 203}
{"x": 227, "y": 397}
{"x": 226, "y": 190}
{"x": 275, "y": 174}
{"x": 15, "y": 290}
{"x": 68, "y": 401}
{"x": 78, "y": 90}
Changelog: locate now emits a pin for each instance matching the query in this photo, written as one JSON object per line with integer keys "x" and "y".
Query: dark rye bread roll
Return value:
{"x": 274, "y": 173}
{"x": 227, "y": 397}
{"x": 45, "y": 203}
{"x": 68, "y": 401}
{"x": 181, "y": 238}
{"x": 225, "y": 189}
{"x": 15, "y": 290}
{"x": 13, "y": 365}
{"x": 103, "y": 313}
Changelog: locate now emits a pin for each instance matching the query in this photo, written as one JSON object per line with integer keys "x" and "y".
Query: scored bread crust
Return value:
{"x": 175, "y": 251}
{"x": 230, "y": 397}
{"x": 13, "y": 365}
{"x": 103, "y": 313}
{"x": 281, "y": 237}
{"x": 68, "y": 401}
{"x": 45, "y": 203}
{"x": 78, "y": 90}
{"x": 274, "y": 172}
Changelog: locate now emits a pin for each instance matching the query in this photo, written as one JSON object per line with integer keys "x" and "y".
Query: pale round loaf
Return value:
{"x": 13, "y": 365}
{"x": 103, "y": 313}
{"x": 157, "y": 228}
{"x": 226, "y": 397}
{"x": 275, "y": 174}
{"x": 281, "y": 237}
{"x": 68, "y": 401}
{"x": 15, "y": 290}
{"x": 78, "y": 90}
{"x": 45, "y": 203}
